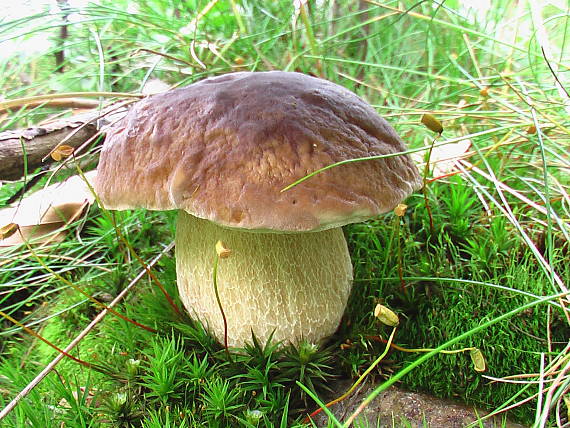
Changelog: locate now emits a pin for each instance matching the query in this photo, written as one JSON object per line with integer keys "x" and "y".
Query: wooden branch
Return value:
{"x": 36, "y": 143}
{"x": 33, "y": 146}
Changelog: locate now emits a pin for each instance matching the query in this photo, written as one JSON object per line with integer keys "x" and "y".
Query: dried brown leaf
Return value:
{"x": 41, "y": 215}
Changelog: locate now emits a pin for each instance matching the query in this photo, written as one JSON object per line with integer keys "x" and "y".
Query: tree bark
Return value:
{"x": 63, "y": 34}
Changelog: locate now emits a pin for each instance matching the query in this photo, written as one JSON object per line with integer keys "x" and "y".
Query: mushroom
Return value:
{"x": 221, "y": 150}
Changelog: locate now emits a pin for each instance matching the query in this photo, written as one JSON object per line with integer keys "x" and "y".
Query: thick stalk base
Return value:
{"x": 294, "y": 286}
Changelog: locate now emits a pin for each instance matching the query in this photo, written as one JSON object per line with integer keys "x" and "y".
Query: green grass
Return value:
{"x": 497, "y": 241}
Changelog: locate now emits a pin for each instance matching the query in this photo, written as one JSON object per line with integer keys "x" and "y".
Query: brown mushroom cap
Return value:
{"x": 223, "y": 148}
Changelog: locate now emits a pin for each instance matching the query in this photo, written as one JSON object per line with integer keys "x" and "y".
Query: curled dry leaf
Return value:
{"x": 42, "y": 216}
{"x": 62, "y": 151}
{"x": 444, "y": 158}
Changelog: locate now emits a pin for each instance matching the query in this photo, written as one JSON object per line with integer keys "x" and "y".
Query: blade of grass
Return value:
{"x": 420, "y": 149}
{"x": 322, "y": 405}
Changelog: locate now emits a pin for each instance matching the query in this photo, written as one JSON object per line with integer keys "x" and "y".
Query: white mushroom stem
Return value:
{"x": 292, "y": 285}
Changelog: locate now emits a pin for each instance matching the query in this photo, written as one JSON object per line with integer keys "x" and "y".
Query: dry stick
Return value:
{"x": 79, "y": 337}
{"x": 75, "y": 102}
{"x": 39, "y": 140}
{"x": 27, "y": 183}
{"x": 99, "y": 133}
{"x": 553, "y": 72}
{"x": 71, "y": 134}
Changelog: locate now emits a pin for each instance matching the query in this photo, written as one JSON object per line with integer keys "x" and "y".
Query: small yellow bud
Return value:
{"x": 484, "y": 92}
{"x": 478, "y": 360}
{"x": 432, "y": 123}
{"x": 386, "y": 316}
{"x": 222, "y": 251}
{"x": 400, "y": 210}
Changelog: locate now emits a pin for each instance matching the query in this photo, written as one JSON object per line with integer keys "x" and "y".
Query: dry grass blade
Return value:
{"x": 43, "y": 99}
{"x": 505, "y": 208}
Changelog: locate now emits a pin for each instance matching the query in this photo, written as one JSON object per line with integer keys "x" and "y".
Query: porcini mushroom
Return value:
{"x": 220, "y": 151}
